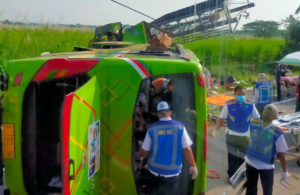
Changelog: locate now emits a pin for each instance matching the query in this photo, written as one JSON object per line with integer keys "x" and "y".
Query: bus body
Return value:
{"x": 73, "y": 123}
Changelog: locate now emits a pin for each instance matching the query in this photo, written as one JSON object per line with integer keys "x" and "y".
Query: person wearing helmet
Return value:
{"x": 161, "y": 91}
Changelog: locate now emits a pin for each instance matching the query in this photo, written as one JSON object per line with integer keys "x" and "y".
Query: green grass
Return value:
{"x": 223, "y": 56}
{"x": 241, "y": 57}
{"x": 17, "y": 42}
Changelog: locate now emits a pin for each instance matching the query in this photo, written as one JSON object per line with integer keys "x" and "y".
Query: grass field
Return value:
{"x": 242, "y": 56}
{"x": 223, "y": 56}
{"x": 17, "y": 42}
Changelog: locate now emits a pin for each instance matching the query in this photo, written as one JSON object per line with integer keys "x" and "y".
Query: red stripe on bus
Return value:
{"x": 82, "y": 100}
{"x": 142, "y": 67}
{"x": 63, "y": 67}
{"x": 66, "y": 134}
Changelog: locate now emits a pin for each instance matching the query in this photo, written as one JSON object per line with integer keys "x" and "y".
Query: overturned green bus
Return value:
{"x": 73, "y": 123}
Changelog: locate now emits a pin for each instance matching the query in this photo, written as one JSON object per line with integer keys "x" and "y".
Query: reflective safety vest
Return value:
{"x": 265, "y": 91}
{"x": 263, "y": 142}
{"x": 165, "y": 156}
{"x": 239, "y": 115}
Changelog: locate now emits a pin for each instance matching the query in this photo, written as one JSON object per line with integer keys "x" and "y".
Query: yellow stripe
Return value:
{"x": 76, "y": 143}
{"x": 258, "y": 121}
{"x": 78, "y": 183}
{"x": 278, "y": 130}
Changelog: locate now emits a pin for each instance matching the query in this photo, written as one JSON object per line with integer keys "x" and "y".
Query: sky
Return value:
{"x": 100, "y": 12}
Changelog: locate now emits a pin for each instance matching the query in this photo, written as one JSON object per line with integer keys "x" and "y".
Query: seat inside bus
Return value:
{"x": 41, "y": 133}
{"x": 179, "y": 91}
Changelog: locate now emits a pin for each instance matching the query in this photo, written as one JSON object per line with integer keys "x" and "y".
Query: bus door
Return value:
{"x": 81, "y": 139}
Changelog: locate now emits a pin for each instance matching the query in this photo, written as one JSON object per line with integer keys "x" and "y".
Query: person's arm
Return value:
{"x": 189, "y": 156}
{"x": 220, "y": 120}
{"x": 220, "y": 123}
{"x": 145, "y": 147}
{"x": 223, "y": 115}
{"x": 281, "y": 148}
{"x": 143, "y": 153}
{"x": 255, "y": 113}
{"x": 186, "y": 143}
{"x": 282, "y": 160}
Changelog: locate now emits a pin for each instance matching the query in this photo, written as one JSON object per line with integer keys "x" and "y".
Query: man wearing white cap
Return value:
{"x": 267, "y": 142}
{"x": 164, "y": 144}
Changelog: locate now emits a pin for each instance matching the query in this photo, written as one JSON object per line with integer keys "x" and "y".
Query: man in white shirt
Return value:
{"x": 237, "y": 113}
{"x": 267, "y": 141}
{"x": 164, "y": 144}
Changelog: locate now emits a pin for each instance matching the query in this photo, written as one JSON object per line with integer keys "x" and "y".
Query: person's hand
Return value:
{"x": 214, "y": 132}
{"x": 140, "y": 165}
{"x": 284, "y": 176}
{"x": 193, "y": 171}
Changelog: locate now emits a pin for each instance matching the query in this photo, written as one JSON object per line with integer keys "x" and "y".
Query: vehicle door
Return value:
{"x": 81, "y": 139}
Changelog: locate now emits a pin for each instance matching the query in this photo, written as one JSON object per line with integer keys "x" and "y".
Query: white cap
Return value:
{"x": 262, "y": 77}
{"x": 163, "y": 107}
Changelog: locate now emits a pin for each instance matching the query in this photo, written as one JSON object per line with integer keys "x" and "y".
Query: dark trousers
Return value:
{"x": 278, "y": 90}
{"x": 164, "y": 185}
{"x": 237, "y": 148}
{"x": 297, "y": 106}
{"x": 266, "y": 178}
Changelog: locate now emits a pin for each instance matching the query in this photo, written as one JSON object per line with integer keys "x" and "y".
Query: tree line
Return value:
{"x": 288, "y": 29}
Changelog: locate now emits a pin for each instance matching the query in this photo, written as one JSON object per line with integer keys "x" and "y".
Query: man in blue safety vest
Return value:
{"x": 263, "y": 92}
{"x": 164, "y": 144}
{"x": 238, "y": 114}
{"x": 267, "y": 140}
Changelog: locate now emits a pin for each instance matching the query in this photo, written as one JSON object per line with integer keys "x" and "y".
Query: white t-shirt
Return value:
{"x": 224, "y": 115}
{"x": 185, "y": 140}
{"x": 281, "y": 146}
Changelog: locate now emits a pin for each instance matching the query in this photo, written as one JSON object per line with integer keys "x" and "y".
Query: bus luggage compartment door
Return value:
{"x": 81, "y": 139}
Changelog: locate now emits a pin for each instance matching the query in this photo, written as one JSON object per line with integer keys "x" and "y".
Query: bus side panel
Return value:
{"x": 200, "y": 183}
{"x": 12, "y": 114}
{"x": 119, "y": 84}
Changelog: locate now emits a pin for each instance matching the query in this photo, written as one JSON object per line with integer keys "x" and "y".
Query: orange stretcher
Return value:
{"x": 218, "y": 100}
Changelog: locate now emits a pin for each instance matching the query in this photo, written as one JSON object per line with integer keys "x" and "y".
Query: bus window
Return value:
{"x": 41, "y": 136}
{"x": 178, "y": 90}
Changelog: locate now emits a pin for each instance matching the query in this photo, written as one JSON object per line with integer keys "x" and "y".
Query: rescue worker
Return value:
{"x": 263, "y": 92}
{"x": 164, "y": 144}
{"x": 267, "y": 140}
{"x": 161, "y": 90}
{"x": 237, "y": 113}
